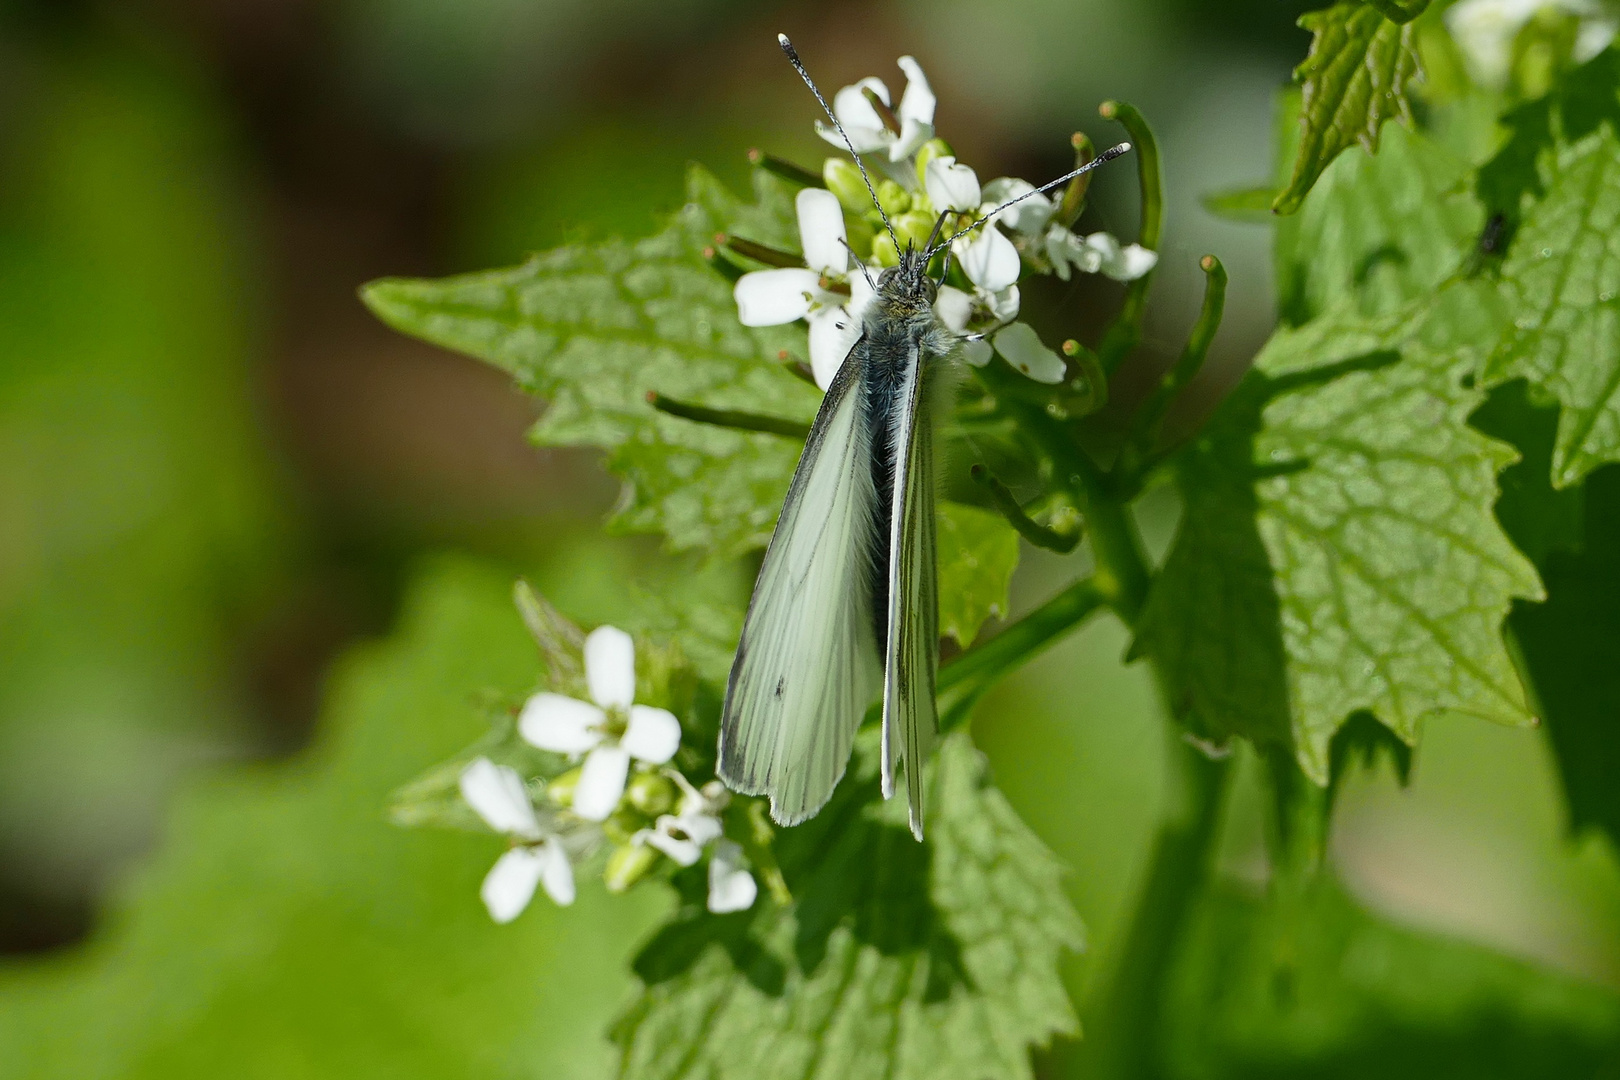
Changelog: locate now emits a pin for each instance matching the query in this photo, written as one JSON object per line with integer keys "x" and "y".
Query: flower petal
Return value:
{"x": 731, "y": 887}
{"x": 913, "y": 133}
{"x": 497, "y": 793}
{"x": 833, "y": 332}
{"x": 557, "y": 875}
{"x": 852, "y": 108}
{"x": 653, "y": 735}
{"x": 682, "y": 851}
{"x": 1021, "y": 347}
{"x": 510, "y": 883}
{"x": 562, "y": 724}
{"x": 1133, "y": 262}
{"x": 865, "y": 140}
{"x": 953, "y": 308}
{"x": 860, "y": 295}
{"x": 951, "y": 186}
{"x": 610, "y": 667}
{"x": 1028, "y": 216}
{"x": 821, "y": 231}
{"x": 773, "y": 297}
{"x": 976, "y": 352}
{"x": 1003, "y": 304}
{"x": 990, "y": 262}
{"x": 917, "y": 102}
{"x": 601, "y": 782}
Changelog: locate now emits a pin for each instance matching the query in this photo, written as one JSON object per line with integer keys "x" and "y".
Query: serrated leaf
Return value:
{"x": 1380, "y": 230}
{"x": 1562, "y": 278}
{"x": 1355, "y": 78}
{"x": 899, "y": 960}
{"x": 1328, "y": 989}
{"x": 285, "y": 928}
{"x": 595, "y": 329}
{"x": 1370, "y": 505}
{"x": 978, "y": 552}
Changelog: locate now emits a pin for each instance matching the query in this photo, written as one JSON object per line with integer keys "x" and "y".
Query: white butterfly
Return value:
{"x": 847, "y": 601}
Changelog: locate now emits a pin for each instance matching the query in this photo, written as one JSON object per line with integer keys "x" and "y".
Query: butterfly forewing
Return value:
{"x": 911, "y": 656}
{"x": 808, "y": 663}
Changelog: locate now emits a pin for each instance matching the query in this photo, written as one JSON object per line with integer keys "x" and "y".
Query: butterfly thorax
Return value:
{"x": 900, "y": 322}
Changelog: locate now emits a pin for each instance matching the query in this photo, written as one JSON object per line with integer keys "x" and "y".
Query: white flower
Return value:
{"x": 1485, "y": 29}
{"x": 973, "y": 315}
{"x": 609, "y": 733}
{"x": 695, "y": 825}
{"x": 1021, "y": 347}
{"x": 1028, "y": 216}
{"x": 865, "y": 127}
{"x": 951, "y": 186}
{"x": 989, "y": 260}
{"x": 773, "y": 297}
{"x": 497, "y": 793}
{"x": 731, "y": 886}
{"x": 1099, "y": 253}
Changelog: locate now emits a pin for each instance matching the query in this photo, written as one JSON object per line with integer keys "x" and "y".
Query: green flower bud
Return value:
{"x": 914, "y": 228}
{"x": 883, "y": 252}
{"x": 627, "y": 865}
{"x": 892, "y": 197}
{"x": 843, "y": 179}
{"x": 862, "y": 231}
{"x": 651, "y": 793}
{"x": 561, "y": 790}
{"x": 930, "y": 150}
{"x": 624, "y": 824}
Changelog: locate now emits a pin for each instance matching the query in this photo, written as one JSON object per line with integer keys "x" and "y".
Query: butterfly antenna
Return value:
{"x": 1101, "y": 159}
{"x": 798, "y": 65}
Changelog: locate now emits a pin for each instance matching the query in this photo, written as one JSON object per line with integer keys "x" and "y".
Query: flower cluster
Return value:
{"x": 622, "y": 790}
{"x": 919, "y": 178}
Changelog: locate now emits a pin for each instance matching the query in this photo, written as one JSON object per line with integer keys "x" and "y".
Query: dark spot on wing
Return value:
{"x": 781, "y": 684}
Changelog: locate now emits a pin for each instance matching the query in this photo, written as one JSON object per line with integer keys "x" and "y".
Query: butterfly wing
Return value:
{"x": 808, "y": 662}
{"x": 911, "y": 654}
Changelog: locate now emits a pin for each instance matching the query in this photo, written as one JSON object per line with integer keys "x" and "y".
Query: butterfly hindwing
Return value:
{"x": 808, "y": 663}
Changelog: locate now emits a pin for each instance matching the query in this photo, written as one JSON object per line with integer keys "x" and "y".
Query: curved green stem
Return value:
{"x": 1149, "y": 420}
{"x": 738, "y": 421}
{"x": 1125, "y": 332}
{"x": 1028, "y": 528}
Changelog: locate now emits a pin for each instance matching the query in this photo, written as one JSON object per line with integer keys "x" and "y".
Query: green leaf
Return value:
{"x": 1562, "y": 278}
{"x": 286, "y": 928}
{"x": 1326, "y": 989}
{"x": 1338, "y": 551}
{"x": 900, "y": 960}
{"x": 1382, "y": 229}
{"x": 595, "y": 329}
{"x": 1355, "y": 78}
{"x": 1571, "y": 649}
{"x": 978, "y": 552}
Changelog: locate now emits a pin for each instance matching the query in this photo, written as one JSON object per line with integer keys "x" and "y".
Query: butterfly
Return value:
{"x": 846, "y": 606}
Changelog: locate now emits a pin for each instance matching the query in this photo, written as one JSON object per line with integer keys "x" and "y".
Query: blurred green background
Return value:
{"x": 254, "y": 547}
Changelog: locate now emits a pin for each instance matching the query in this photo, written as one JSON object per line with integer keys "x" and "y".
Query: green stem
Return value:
{"x": 1397, "y": 14}
{"x": 1074, "y": 196}
{"x": 1149, "y": 421}
{"x": 1129, "y": 1034}
{"x": 739, "y": 421}
{"x": 964, "y": 680}
{"x": 760, "y": 253}
{"x": 1124, "y": 334}
{"x": 787, "y": 170}
{"x": 1028, "y": 528}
